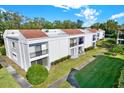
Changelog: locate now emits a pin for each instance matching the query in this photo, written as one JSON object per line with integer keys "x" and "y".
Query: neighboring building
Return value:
{"x": 92, "y": 36}
{"x": 120, "y": 36}
{"x": 27, "y": 47}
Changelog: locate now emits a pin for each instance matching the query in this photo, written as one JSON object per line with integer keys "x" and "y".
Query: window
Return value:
{"x": 97, "y": 34}
{"x": 72, "y": 52}
{"x": 44, "y": 49}
{"x": 80, "y": 50}
{"x": 13, "y": 44}
{"x": 73, "y": 42}
{"x": 81, "y": 40}
{"x": 42, "y": 61}
{"x": 14, "y": 56}
{"x": 94, "y": 37}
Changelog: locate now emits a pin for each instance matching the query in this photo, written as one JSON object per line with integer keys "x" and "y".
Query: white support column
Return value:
{"x": 117, "y": 37}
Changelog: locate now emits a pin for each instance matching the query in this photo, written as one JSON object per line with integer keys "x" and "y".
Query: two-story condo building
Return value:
{"x": 120, "y": 36}
{"x": 27, "y": 47}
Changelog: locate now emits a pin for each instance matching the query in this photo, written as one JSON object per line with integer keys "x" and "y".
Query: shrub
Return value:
{"x": 106, "y": 43}
{"x": 117, "y": 49}
{"x": 37, "y": 74}
{"x": 89, "y": 48}
{"x": 60, "y": 60}
{"x": 121, "y": 79}
{"x": 2, "y": 51}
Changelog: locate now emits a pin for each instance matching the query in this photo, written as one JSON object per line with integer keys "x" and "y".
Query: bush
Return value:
{"x": 3, "y": 51}
{"x": 121, "y": 79}
{"x": 60, "y": 60}
{"x": 89, "y": 48}
{"x": 37, "y": 74}
{"x": 117, "y": 49}
{"x": 106, "y": 43}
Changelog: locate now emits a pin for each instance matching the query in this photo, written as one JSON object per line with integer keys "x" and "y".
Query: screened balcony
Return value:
{"x": 38, "y": 50}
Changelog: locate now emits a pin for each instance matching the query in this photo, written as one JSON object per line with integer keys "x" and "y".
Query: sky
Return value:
{"x": 89, "y": 14}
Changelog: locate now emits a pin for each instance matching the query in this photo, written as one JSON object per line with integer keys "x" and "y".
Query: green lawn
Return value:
{"x": 6, "y": 80}
{"x": 101, "y": 73}
{"x": 61, "y": 69}
{"x": 65, "y": 84}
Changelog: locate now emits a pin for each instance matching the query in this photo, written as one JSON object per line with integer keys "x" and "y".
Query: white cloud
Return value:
{"x": 79, "y": 15}
{"x": 67, "y": 7}
{"x": 2, "y": 10}
{"x": 89, "y": 14}
{"x": 117, "y": 16}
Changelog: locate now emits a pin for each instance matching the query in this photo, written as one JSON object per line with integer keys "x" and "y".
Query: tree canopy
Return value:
{"x": 109, "y": 26}
{"x": 14, "y": 20}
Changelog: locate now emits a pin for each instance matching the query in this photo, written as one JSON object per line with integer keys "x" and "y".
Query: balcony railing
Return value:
{"x": 38, "y": 53}
{"x": 73, "y": 44}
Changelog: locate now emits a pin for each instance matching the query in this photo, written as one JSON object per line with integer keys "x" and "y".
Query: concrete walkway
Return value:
{"x": 58, "y": 82}
{"x": 22, "y": 81}
{"x": 85, "y": 63}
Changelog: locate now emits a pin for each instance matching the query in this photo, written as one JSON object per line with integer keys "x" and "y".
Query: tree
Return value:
{"x": 79, "y": 23}
{"x": 57, "y": 24}
{"x": 37, "y": 74}
{"x": 96, "y": 25}
{"x": 48, "y": 25}
{"x": 112, "y": 26}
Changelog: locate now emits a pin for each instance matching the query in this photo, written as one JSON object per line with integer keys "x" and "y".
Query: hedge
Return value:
{"x": 89, "y": 48}
{"x": 60, "y": 60}
{"x": 37, "y": 74}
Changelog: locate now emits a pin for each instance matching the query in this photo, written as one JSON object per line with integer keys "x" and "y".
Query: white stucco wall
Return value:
{"x": 58, "y": 48}
{"x": 20, "y": 49}
{"x": 101, "y": 34}
{"x": 88, "y": 40}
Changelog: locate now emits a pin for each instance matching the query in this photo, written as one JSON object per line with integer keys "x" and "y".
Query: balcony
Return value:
{"x": 73, "y": 44}
{"x": 38, "y": 53}
{"x": 121, "y": 36}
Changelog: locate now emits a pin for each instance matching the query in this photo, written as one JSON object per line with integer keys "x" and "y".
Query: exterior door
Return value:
{"x": 73, "y": 53}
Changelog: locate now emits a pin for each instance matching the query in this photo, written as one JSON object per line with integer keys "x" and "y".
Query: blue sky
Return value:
{"x": 89, "y": 14}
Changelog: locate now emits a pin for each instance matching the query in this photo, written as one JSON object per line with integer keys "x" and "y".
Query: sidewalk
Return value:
{"x": 21, "y": 80}
{"x": 23, "y": 83}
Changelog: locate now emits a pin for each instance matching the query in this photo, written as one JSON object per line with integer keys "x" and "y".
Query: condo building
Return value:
{"x": 35, "y": 46}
